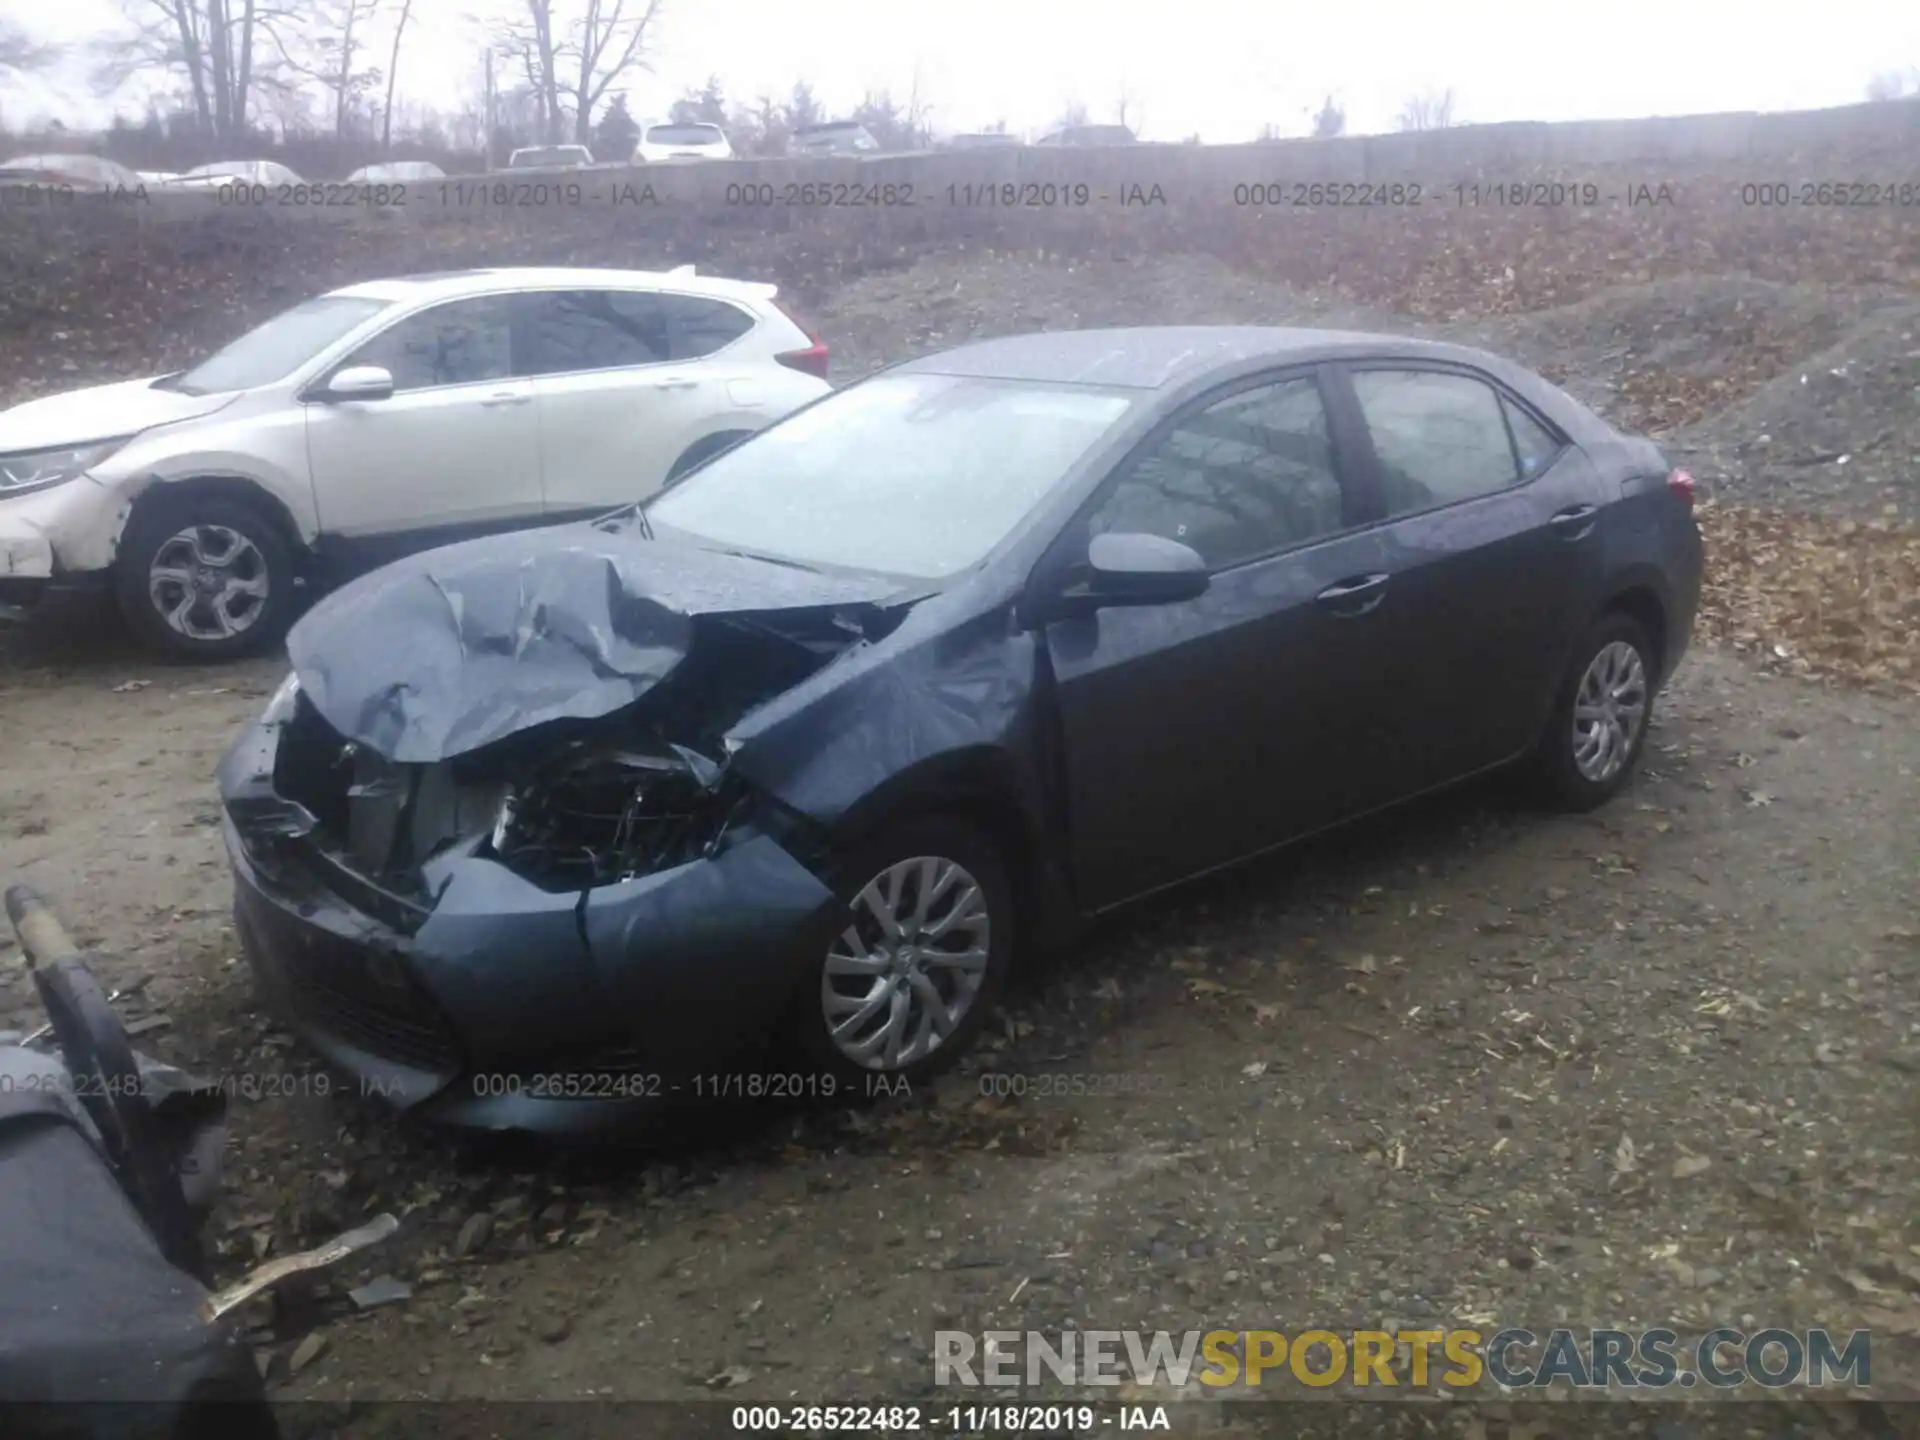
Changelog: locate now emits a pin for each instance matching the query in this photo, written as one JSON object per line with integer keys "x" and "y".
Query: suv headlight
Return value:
{"x": 28, "y": 470}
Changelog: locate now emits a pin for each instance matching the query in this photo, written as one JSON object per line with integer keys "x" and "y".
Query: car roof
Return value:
{"x": 1153, "y": 357}
{"x": 451, "y": 284}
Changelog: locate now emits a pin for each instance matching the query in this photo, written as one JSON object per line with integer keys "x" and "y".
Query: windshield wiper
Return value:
{"x": 635, "y": 512}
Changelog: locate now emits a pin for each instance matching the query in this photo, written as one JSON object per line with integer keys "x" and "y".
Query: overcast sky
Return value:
{"x": 1219, "y": 68}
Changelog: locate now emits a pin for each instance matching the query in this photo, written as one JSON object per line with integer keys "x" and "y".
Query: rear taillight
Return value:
{"x": 810, "y": 361}
{"x": 1681, "y": 484}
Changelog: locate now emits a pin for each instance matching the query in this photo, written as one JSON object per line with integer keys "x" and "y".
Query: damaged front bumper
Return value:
{"x": 60, "y": 538}
{"x": 499, "y": 1004}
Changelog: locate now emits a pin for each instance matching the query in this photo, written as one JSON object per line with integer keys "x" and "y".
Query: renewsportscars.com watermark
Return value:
{"x": 1512, "y": 1359}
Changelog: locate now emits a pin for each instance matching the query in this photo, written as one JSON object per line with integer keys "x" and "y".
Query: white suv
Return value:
{"x": 668, "y": 141}
{"x": 379, "y": 419}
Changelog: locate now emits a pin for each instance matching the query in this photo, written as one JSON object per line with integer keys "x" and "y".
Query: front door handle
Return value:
{"x": 508, "y": 397}
{"x": 1359, "y": 595}
{"x": 676, "y": 384}
{"x": 1576, "y": 522}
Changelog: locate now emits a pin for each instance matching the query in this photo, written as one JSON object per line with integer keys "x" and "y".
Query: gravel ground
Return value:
{"x": 1470, "y": 1064}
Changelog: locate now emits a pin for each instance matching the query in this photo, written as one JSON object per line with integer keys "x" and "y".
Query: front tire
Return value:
{"x": 204, "y": 577}
{"x": 1593, "y": 739}
{"x": 917, "y": 966}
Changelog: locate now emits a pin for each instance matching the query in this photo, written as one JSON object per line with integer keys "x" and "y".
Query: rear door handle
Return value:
{"x": 508, "y": 397}
{"x": 1576, "y": 522}
{"x": 676, "y": 383}
{"x": 1352, "y": 597}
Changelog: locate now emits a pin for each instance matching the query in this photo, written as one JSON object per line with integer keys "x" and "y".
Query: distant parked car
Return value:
{"x": 983, "y": 140}
{"x": 237, "y": 172}
{"x": 834, "y": 137}
{"x": 549, "y": 157}
{"x": 396, "y": 171}
{"x": 1091, "y": 135}
{"x": 386, "y": 417}
{"x": 682, "y": 142}
{"x": 79, "y": 172}
{"x": 158, "y": 177}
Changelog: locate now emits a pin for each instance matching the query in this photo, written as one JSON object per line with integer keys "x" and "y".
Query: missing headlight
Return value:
{"x": 595, "y": 816}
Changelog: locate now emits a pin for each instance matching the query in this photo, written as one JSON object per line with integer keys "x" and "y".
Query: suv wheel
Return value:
{"x": 204, "y": 577}
{"x": 924, "y": 949}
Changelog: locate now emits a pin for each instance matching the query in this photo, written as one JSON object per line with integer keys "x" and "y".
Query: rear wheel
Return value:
{"x": 1598, "y": 728}
{"x": 924, "y": 947}
{"x": 204, "y": 577}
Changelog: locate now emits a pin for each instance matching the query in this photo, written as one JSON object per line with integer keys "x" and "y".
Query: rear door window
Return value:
{"x": 1439, "y": 437}
{"x": 575, "y": 330}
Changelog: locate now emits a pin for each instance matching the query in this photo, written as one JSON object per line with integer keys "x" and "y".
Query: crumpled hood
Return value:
{"x": 98, "y": 412}
{"x": 444, "y": 652}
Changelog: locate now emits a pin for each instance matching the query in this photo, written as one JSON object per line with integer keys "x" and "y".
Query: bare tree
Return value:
{"x": 917, "y": 116}
{"x": 20, "y": 52}
{"x": 393, "y": 72}
{"x": 209, "y": 45}
{"x": 337, "y": 35}
{"x": 578, "y": 56}
{"x": 1073, "y": 113}
{"x": 1127, "y": 109}
{"x": 1894, "y": 85}
{"x": 532, "y": 43}
{"x": 609, "y": 40}
{"x": 1431, "y": 111}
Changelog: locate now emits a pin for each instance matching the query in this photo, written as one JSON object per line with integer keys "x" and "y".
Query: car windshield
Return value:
{"x": 685, "y": 135}
{"x": 912, "y": 475}
{"x": 276, "y": 349}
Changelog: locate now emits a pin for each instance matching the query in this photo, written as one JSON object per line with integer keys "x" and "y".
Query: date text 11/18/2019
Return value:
{"x": 951, "y": 1420}
{"x": 714, "y": 1085}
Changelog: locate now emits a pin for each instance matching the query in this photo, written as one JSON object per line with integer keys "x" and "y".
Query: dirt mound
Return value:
{"x": 952, "y": 299}
{"x": 1839, "y": 432}
{"x": 1662, "y": 354}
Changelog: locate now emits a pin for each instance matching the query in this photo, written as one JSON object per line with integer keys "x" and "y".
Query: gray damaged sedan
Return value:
{"x": 763, "y": 788}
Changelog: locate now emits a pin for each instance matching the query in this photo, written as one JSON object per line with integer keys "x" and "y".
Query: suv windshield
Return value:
{"x": 276, "y": 349}
{"x": 684, "y": 135}
{"x": 911, "y": 475}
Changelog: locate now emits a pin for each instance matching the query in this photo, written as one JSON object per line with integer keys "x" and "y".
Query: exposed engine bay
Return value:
{"x": 594, "y": 816}
{"x": 568, "y": 804}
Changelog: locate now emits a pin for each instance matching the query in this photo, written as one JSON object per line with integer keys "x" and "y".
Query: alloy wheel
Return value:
{"x": 209, "y": 582}
{"x": 909, "y": 965}
{"x": 1608, "y": 711}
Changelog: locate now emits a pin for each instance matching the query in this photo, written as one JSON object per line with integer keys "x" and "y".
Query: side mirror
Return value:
{"x": 360, "y": 382}
{"x": 1125, "y": 568}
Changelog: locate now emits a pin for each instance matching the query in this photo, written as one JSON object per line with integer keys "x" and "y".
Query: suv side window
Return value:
{"x": 570, "y": 330}
{"x": 1439, "y": 437}
{"x": 459, "y": 343}
{"x": 1249, "y": 475}
{"x": 702, "y": 326}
